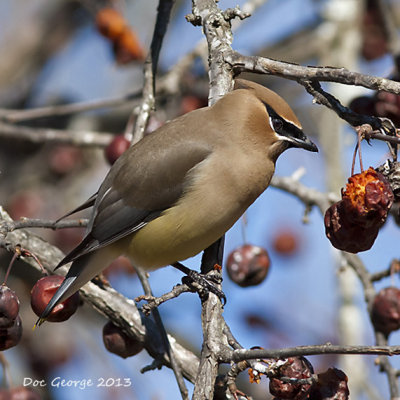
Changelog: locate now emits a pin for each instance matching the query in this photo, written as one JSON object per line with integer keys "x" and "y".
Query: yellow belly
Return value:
{"x": 176, "y": 235}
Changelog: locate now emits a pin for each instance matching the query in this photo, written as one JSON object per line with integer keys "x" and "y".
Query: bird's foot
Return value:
{"x": 202, "y": 284}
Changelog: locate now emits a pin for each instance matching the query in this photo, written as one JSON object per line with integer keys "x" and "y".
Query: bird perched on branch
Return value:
{"x": 180, "y": 188}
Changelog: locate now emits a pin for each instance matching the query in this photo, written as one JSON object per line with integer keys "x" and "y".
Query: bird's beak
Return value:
{"x": 303, "y": 142}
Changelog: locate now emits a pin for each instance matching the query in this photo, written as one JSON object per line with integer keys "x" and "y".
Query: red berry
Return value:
{"x": 117, "y": 342}
{"x": 296, "y": 367}
{"x": 10, "y": 337}
{"x": 248, "y": 265}
{"x": 117, "y": 146}
{"x": 385, "y": 312}
{"x": 63, "y": 159}
{"x": 42, "y": 293}
{"x": 9, "y": 307}
{"x": 286, "y": 242}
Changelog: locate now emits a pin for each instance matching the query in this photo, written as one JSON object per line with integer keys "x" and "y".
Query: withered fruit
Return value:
{"x": 367, "y": 198}
{"x": 352, "y": 224}
{"x": 331, "y": 385}
{"x": 385, "y": 312}
{"x": 296, "y": 367}
{"x": 345, "y": 235}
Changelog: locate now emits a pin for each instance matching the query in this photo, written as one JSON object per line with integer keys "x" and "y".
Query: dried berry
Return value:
{"x": 353, "y": 223}
{"x": 115, "y": 149}
{"x": 345, "y": 235}
{"x": 331, "y": 385}
{"x": 385, "y": 312}
{"x": 117, "y": 342}
{"x": 42, "y": 293}
{"x": 296, "y": 367}
{"x": 9, "y": 307}
{"x": 248, "y": 265}
{"x": 10, "y": 337}
{"x": 367, "y": 198}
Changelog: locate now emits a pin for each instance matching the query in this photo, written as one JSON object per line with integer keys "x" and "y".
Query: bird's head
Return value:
{"x": 270, "y": 115}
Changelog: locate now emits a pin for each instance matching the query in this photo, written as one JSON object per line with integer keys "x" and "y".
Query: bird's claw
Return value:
{"x": 205, "y": 284}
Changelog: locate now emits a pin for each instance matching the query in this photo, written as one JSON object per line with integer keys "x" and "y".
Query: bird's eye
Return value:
{"x": 276, "y": 124}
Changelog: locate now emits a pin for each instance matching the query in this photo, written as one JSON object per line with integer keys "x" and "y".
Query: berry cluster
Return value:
{"x": 328, "y": 385}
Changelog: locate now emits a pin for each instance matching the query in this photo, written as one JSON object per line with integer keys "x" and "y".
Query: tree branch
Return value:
{"x": 263, "y": 65}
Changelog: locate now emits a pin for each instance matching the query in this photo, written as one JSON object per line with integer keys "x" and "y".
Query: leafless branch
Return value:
{"x": 150, "y": 69}
{"x": 246, "y": 354}
{"x": 13, "y": 116}
{"x": 154, "y": 302}
{"x": 263, "y": 65}
{"x": 45, "y": 135}
{"x": 163, "y": 333}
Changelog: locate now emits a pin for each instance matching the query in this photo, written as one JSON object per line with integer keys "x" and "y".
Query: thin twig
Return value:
{"x": 13, "y": 116}
{"x": 248, "y": 354}
{"x": 43, "y": 223}
{"x": 154, "y": 302}
{"x": 46, "y": 135}
{"x": 157, "y": 318}
{"x": 150, "y": 70}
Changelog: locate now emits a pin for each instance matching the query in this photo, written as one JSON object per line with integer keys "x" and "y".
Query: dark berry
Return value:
{"x": 117, "y": 342}
{"x": 42, "y": 293}
{"x": 248, "y": 265}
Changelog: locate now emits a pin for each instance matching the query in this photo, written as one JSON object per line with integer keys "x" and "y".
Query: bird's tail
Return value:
{"x": 81, "y": 271}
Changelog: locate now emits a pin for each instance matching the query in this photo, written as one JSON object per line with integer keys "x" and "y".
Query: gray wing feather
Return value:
{"x": 132, "y": 195}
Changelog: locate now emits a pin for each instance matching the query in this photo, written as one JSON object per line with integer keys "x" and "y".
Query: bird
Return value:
{"x": 183, "y": 186}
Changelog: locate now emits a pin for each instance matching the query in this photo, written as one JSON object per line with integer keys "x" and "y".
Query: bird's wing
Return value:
{"x": 146, "y": 180}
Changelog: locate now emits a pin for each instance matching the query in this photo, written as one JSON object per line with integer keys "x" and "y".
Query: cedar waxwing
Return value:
{"x": 180, "y": 188}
